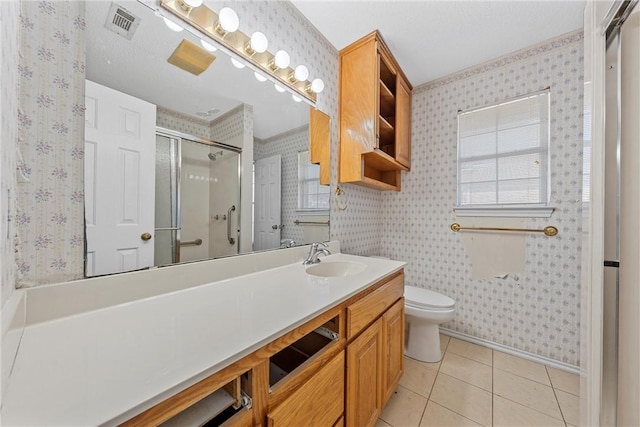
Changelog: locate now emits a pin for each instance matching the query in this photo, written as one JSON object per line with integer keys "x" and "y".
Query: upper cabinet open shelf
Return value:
{"x": 375, "y": 115}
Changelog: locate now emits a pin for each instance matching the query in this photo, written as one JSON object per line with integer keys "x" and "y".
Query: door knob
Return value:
{"x": 274, "y": 226}
{"x": 145, "y": 236}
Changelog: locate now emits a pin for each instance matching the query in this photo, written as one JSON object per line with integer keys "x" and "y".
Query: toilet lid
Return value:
{"x": 424, "y": 298}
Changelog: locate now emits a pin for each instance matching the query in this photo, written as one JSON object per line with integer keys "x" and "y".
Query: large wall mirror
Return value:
{"x": 185, "y": 164}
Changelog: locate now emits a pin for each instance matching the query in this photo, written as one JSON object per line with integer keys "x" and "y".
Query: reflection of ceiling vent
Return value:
{"x": 121, "y": 21}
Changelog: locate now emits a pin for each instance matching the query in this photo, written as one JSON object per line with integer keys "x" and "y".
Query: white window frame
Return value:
{"x": 302, "y": 179}
{"x": 529, "y": 210}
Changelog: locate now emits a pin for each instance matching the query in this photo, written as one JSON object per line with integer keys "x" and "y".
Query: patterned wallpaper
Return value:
{"x": 9, "y": 45}
{"x": 230, "y": 127}
{"x": 173, "y": 120}
{"x": 538, "y": 313}
{"x": 50, "y": 199}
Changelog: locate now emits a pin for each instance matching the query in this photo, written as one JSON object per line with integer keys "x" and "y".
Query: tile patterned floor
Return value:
{"x": 477, "y": 386}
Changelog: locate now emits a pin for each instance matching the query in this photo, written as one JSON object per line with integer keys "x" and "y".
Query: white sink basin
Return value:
{"x": 336, "y": 268}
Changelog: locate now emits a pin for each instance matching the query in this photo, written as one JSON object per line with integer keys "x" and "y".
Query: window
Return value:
{"x": 503, "y": 156}
{"x": 311, "y": 195}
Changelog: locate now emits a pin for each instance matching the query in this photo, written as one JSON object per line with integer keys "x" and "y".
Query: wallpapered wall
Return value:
{"x": 538, "y": 313}
{"x": 9, "y": 45}
{"x": 50, "y": 199}
{"x": 173, "y": 120}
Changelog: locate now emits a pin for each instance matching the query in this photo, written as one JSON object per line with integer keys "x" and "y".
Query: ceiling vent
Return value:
{"x": 121, "y": 21}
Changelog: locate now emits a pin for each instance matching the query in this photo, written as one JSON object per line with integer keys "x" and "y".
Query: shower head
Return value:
{"x": 212, "y": 156}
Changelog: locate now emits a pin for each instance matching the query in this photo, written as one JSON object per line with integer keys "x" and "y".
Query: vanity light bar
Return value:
{"x": 205, "y": 20}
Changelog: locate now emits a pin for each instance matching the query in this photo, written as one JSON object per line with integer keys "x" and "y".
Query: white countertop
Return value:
{"x": 107, "y": 365}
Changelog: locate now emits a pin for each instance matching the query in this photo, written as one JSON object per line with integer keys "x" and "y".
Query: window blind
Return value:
{"x": 503, "y": 153}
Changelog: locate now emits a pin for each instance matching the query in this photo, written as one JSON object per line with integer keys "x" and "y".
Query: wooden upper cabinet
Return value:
{"x": 320, "y": 143}
{"x": 375, "y": 115}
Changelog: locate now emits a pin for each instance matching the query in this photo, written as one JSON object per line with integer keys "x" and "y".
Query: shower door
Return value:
{"x": 197, "y": 198}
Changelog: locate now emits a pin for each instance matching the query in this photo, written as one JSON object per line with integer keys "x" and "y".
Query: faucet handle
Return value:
{"x": 316, "y": 244}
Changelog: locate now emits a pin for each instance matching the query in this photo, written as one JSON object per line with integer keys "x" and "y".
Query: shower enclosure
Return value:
{"x": 197, "y": 198}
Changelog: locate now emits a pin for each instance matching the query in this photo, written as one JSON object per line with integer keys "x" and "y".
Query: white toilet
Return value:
{"x": 424, "y": 311}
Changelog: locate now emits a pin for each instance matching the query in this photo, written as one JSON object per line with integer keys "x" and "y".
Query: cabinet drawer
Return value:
{"x": 324, "y": 390}
{"x": 366, "y": 310}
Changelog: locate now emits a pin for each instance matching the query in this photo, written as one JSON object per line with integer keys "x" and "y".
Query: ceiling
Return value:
{"x": 431, "y": 39}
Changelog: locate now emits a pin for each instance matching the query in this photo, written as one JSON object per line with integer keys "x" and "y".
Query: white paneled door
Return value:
{"x": 119, "y": 180}
{"x": 267, "y": 203}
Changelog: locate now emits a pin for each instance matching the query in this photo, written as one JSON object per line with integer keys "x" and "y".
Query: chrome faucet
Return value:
{"x": 315, "y": 252}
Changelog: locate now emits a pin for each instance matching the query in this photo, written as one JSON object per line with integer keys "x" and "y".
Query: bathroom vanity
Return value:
{"x": 274, "y": 347}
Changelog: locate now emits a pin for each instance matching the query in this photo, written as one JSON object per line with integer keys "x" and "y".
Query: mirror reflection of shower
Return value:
{"x": 212, "y": 156}
{"x": 197, "y": 183}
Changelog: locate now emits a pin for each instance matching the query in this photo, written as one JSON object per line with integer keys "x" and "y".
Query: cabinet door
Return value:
{"x": 364, "y": 377}
{"x": 319, "y": 402}
{"x": 393, "y": 344}
{"x": 403, "y": 123}
{"x": 358, "y": 107}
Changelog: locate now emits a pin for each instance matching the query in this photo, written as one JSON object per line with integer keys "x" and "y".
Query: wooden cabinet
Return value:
{"x": 393, "y": 349}
{"x": 320, "y": 143}
{"x": 375, "y": 115}
{"x": 337, "y": 369}
{"x": 364, "y": 377}
{"x": 324, "y": 390}
{"x": 375, "y": 358}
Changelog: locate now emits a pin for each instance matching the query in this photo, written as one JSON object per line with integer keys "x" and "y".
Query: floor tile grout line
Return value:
{"x": 434, "y": 381}
{"x": 532, "y": 409}
{"x": 556, "y": 396}
{"x": 475, "y": 360}
{"x": 441, "y": 405}
{"x": 468, "y": 383}
{"x": 527, "y": 378}
{"x": 454, "y": 411}
{"x": 457, "y": 413}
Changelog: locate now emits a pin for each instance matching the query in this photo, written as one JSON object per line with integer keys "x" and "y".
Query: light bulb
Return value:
{"x": 172, "y": 25}
{"x": 259, "y": 42}
{"x": 228, "y": 20}
{"x": 187, "y": 5}
{"x": 296, "y": 98}
{"x": 281, "y": 59}
{"x": 279, "y": 88}
{"x": 301, "y": 73}
{"x": 237, "y": 63}
{"x": 193, "y": 3}
{"x": 260, "y": 77}
{"x": 208, "y": 46}
{"x": 317, "y": 85}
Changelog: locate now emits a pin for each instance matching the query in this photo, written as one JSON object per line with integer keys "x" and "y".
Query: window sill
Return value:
{"x": 506, "y": 211}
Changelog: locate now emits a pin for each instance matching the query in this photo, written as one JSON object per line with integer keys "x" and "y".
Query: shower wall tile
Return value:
{"x": 50, "y": 198}
{"x": 539, "y": 312}
{"x": 9, "y": 57}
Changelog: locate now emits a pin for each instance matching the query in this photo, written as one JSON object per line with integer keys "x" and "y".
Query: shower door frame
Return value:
{"x": 179, "y": 136}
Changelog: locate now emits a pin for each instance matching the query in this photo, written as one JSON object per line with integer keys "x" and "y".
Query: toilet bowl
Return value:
{"x": 424, "y": 311}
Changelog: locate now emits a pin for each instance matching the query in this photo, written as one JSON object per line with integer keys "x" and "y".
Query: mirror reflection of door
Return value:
{"x": 197, "y": 199}
{"x": 267, "y": 203}
{"x": 119, "y": 184}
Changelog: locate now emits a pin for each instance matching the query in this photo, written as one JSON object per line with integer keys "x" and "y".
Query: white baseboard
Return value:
{"x": 510, "y": 350}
